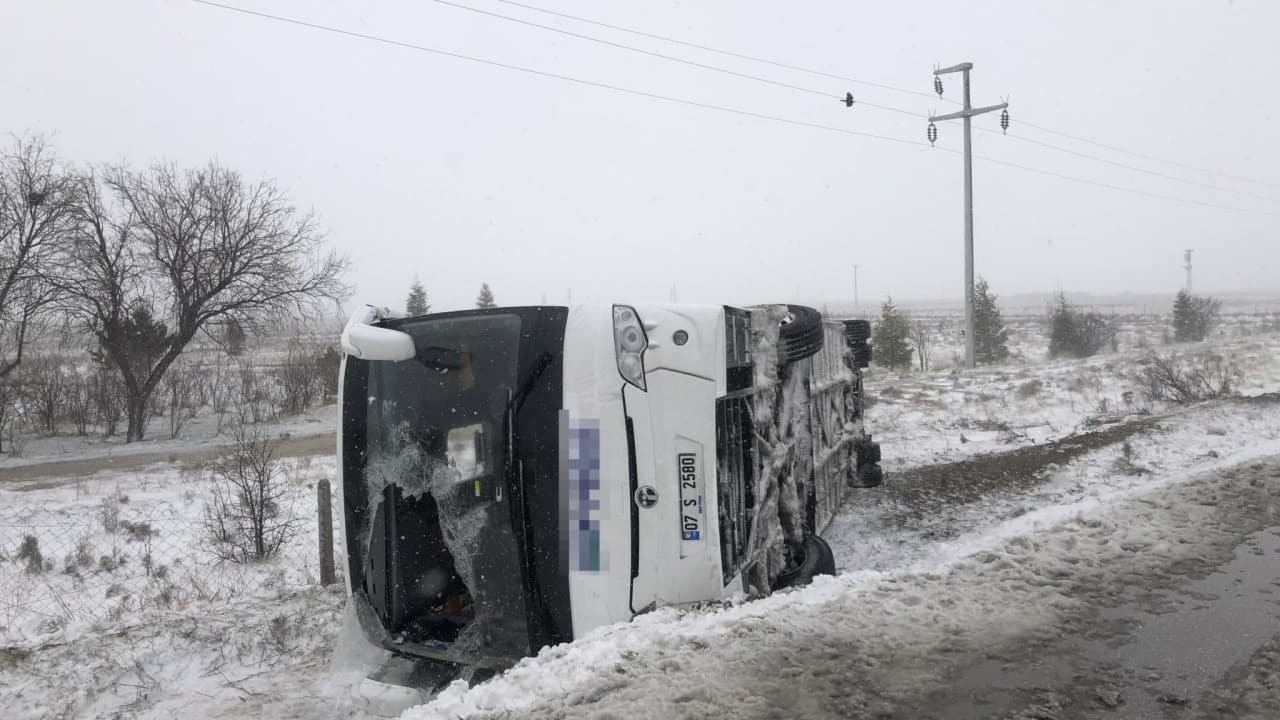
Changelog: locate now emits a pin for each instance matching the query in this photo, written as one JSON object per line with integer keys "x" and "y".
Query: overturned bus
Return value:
{"x": 512, "y": 478}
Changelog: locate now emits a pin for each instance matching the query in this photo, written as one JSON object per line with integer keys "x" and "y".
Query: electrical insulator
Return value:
{"x": 1004, "y": 121}
{"x": 848, "y": 99}
{"x": 932, "y": 133}
{"x": 937, "y": 85}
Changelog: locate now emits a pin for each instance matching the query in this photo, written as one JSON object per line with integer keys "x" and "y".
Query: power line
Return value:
{"x": 1135, "y": 168}
{"x": 557, "y": 76}
{"x": 708, "y": 48}
{"x": 1175, "y": 163}
{"x": 706, "y": 106}
{"x": 1120, "y": 188}
{"x": 671, "y": 58}
{"x": 821, "y": 73}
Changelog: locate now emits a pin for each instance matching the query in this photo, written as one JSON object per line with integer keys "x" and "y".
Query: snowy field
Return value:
{"x": 1007, "y": 512}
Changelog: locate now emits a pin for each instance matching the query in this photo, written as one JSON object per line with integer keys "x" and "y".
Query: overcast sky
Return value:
{"x": 459, "y": 172}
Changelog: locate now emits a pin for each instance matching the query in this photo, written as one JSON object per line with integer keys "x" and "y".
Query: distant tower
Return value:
{"x": 1187, "y": 256}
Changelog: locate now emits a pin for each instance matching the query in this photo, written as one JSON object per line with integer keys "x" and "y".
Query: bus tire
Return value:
{"x": 857, "y": 331}
{"x": 868, "y": 476}
{"x": 800, "y": 335}
{"x": 868, "y": 453}
{"x": 861, "y": 353}
{"x": 816, "y": 559}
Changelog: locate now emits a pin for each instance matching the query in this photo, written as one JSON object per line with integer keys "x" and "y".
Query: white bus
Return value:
{"x": 512, "y": 478}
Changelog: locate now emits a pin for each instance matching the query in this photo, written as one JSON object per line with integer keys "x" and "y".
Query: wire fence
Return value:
{"x": 87, "y": 555}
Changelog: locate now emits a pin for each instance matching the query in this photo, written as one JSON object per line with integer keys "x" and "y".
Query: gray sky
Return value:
{"x": 460, "y": 172}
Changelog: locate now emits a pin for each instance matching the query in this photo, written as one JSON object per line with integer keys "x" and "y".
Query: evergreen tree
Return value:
{"x": 416, "y": 303}
{"x": 990, "y": 338}
{"x": 1076, "y": 333}
{"x": 892, "y": 338}
{"x": 485, "y": 299}
{"x": 1194, "y": 316}
{"x": 234, "y": 338}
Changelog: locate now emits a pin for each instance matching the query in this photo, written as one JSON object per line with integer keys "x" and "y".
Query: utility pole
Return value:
{"x": 856, "y": 307}
{"x": 1187, "y": 256}
{"x": 967, "y": 113}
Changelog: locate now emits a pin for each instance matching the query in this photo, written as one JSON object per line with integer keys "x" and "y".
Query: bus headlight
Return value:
{"x": 629, "y": 343}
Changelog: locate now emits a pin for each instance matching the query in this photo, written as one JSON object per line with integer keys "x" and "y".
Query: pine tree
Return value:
{"x": 1076, "y": 333}
{"x": 1194, "y": 316}
{"x": 990, "y": 338}
{"x": 892, "y": 338}
{"x": 417, "y": 304}
{"x": 485, "y": 299}
{"x": 235, "y": 338}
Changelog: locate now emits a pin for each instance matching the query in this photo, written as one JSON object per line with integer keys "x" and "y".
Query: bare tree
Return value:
{"x": 198, "y": 248}
{"x": 37, "y": 206}
{"x": 249, "y": 515}
{"x": 922, "y": 338}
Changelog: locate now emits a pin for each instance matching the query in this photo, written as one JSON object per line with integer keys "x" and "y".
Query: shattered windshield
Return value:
{"x": 441, "y": 561}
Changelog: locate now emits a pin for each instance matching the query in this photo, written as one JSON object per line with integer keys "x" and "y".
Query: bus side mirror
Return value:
{"x": 368, "y": 342}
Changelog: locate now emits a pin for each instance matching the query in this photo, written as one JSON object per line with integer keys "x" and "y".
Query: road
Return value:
{"x": 62, "y": 472}
{"x": 1207, "y": 645}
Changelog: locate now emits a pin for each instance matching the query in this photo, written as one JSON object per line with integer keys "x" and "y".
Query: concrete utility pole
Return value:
{"x": 967, "y": 113}
{"x": 856, "y": 307}
{"x": 1187, "y": 256}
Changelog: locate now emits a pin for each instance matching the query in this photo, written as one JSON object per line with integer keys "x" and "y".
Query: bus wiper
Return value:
{"x": 516, "y": 399}
{"x": 544, "y": 362}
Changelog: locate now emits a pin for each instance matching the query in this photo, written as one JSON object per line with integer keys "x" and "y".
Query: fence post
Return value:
{"x": 324, "y": 514}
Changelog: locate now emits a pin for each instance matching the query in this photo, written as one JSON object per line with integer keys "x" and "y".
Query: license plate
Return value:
{"x": 692, "y": 513}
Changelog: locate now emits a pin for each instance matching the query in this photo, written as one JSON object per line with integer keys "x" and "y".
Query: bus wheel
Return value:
{"x": 856, "y": 331}
{"x": 861, "y": 353}
{"x": 868, "y": 476}
{"x": 800, "y": 335}
{"x": 811, "y": 558}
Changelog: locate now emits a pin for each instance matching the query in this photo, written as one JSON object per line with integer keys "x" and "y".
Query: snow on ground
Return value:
{"x": 855, "y": 644}
{"x": 903, "y": 523}
{"x": 942, "y": 416}
{"x": 933, "y": 570}
{"x": 92, "y": 555}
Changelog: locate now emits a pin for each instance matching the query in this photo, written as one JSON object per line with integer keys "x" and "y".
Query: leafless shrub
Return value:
{"x": 1030, "y": 389}
{"x": 29, "y": 553}
{"x": 255, "y": 401}
{"x": 137, "y": 531}
{"x": 44, "y": 383}
{"x": 78, "y": 402}
{"x": 300, "y": 380}
{"x": 81, "y": 557}
{"x": 109, "y": 513}
{"x": 112, "y": 562}
{"x": 1127, "y": 463}
{"x": 183, "y": 391}
{"x": 220, "y": 391}
{"x": 249, "y": 514}
{"x": 1185, "y": 379}
{"x": 108, "y": 395}
{"x": 10, "y": 407}
{"x": 328, "y": 362}
{"x": 922, "y": 338}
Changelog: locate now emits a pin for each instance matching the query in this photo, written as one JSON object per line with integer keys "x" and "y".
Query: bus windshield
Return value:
{"x": 439, "y": 562}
